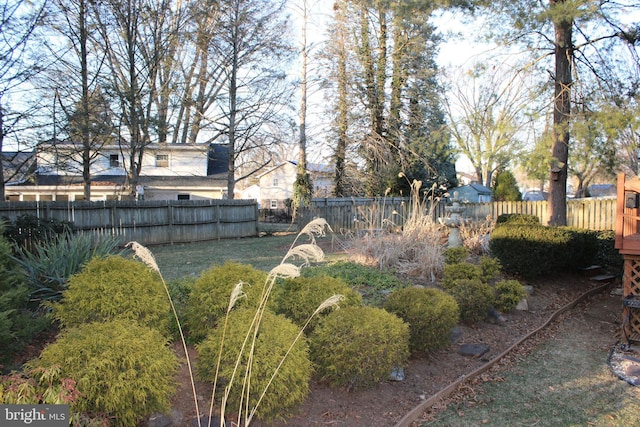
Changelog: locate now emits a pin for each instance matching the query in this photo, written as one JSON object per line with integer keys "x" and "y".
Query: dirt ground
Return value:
{"x": 425, "y": 375}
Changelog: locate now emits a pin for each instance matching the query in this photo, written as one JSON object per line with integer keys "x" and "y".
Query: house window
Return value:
{"x": 184, "y": 197}
{"x": 275, "y": 182}
{"x": 162, "y": 160}
{"x": 114, "y": 161}
{"x": 273, "y": 204}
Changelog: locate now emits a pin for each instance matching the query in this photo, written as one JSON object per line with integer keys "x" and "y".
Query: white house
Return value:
{"x": 276, "y": 184}
{"x": 169, "y": 172}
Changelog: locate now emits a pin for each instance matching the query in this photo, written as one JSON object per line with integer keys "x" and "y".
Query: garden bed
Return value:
{"x": 388, "y": 403}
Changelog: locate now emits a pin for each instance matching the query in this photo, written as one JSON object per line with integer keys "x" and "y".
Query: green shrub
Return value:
{"x": 372, "y": 283}
{"x": 430, "y": 313}
{"x": 474, "y": 299}
{"x": 358, "y": 347}
{"x": 48, "y": 264}
{"x": 490, "y": 268}
{"x": 179, "y": 289}
{"x": 290, "y": 385}
{"x": 17, "y": 324}
{"x": 607, "y": 255}
{"x": 535, "y": 250}
{"x": 114, "y": 288}
{"x": 517, "y": 219}
{"x": 26, "y": 231}
{"x": 460, "y": 271}
{"x": 456, "y": 255}
{"x": 121, "y": 369}
{"x": 299, "y": 297}
{"x": 507, "y": 295}
{"x": 210, "y": 294}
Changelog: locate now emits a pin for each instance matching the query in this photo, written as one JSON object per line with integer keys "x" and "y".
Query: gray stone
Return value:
{"x": 473, "y": 350}
{"x": 159, "y": 420}
{"x": 523, "y": 305}
{"x": 456, "y": 335}
{"x": 397, "y": 374}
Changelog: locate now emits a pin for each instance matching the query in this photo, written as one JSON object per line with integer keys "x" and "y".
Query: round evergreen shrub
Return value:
{"x": 453, "y": 273}
{"x": 474, "y": 299}
{"x": 456, "y": 255}
{"x": 114, "y": 288}
{"x": 290, "y": 385}
{"x": 489, "y": 267}
{"x": 507, "y": 295}
{"x": 358, "y": 347}
{"x": 298, "y": 298}
{"x": 120, "y": 368}
{"x": 430, "y": 313}
{"x": 211, "y": 292}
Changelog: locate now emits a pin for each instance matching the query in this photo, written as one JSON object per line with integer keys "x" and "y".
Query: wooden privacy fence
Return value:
{"x": 148, "y": 222}
{"x": 353, "y": 214}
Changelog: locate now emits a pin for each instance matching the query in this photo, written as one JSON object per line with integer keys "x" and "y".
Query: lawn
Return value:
{"x": 264, "y": 253}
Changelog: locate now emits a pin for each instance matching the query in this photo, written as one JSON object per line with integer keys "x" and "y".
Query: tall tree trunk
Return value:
{"x": 2, "y": 192}
{"x": 342, "y": 119}
{"x": 233, "y": 105}
{"x": 84, "y": 114}
{"x": 303, "y": 188}
{"x": 561, "y": 116}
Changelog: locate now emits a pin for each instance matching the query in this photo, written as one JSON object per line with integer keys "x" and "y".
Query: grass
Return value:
{"x": 562, "y": 383}
{"x": 263, "y": 253}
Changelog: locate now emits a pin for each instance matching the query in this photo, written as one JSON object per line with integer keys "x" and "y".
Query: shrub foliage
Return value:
{"x": 456, "y": 255}
{"x": 536, "y": 250}
{"x": 430, "y": 313}
{"x": 49, "y": 263}
{"x": 210, "y": 294}
{"x": 276, "y": 334}
{"x": 507, "y": 295}
{"x": 357, "y": 347}
{"x": 114, "y": 288}
{"x": 474, "y": 297}
{"x": 120, "y": 368}
{"x": 298, "y": 298}
{"x": 371, "y": 282}
{"x": 17, "y": 323}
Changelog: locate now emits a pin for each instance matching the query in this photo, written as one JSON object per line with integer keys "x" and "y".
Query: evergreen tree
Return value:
{"x": 505, "y": 188}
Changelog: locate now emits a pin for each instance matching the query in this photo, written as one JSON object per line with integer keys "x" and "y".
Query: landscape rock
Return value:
{"x": 397, "y": 374}
{"x": 523, "y": 305}
{"x": 473, "y": 350}
{"x": 456, "y": 335}
{"x": 164, "y": 420}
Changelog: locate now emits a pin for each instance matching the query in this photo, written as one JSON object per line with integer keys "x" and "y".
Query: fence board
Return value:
{"x": 148, "y": 222}
{"x": 353, "y": 214}
{"x": 160, "y": 222}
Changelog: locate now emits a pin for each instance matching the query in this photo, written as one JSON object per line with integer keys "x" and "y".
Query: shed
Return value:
{"x": 472, "y": 193}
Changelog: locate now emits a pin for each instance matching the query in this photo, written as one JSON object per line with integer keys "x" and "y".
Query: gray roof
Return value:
{"x": 478, "y": 188}
{"x": 17, "y": 165}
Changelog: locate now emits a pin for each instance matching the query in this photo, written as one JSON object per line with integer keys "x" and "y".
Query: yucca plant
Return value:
{"x": 305, "y": 254}
{"x": 49, "y": 264}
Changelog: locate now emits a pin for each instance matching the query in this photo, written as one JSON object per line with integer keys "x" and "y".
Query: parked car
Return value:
{"x": 535, "y": 196}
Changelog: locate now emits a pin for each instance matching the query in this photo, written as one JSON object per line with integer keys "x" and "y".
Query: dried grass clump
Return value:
{"x": 416, "y": 250}
{"x": 475, "y": 235}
